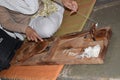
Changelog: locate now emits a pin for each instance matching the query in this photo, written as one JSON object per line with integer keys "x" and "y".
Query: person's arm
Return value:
{"x": 8, "y": 23}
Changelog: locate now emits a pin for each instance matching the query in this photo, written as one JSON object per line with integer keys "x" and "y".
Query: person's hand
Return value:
{"x": 71, "y": 4}
{"x": 32, "y": 35}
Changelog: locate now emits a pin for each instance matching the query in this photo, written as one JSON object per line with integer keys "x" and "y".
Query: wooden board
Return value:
{"x": 45, "y": 72}
{"x": 66, "y": 49}
{"x": 69, "y": 49}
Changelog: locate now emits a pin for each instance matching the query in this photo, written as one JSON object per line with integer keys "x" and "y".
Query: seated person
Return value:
{"x": 34, "y": 19}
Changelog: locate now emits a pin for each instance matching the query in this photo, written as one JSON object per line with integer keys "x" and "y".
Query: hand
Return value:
{"x": 71, "y": 4}
{"x": 32, "y": 35}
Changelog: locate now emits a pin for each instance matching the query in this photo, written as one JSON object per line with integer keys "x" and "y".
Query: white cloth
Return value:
{"x": 90, "y": 52}
{"x": 22, "y": 6}
{"x": 47, "y": 26}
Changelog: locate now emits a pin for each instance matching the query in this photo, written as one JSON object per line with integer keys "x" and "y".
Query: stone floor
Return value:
{"x": 106, "y": 13}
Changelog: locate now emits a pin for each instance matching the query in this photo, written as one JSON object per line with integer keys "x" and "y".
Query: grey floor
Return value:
{"x": 106, "y": 14}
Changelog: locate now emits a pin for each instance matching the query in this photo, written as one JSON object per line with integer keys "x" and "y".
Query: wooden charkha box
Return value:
{"x": 67, "y": 49}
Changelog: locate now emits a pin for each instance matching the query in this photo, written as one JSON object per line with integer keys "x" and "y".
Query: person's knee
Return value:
{"x": 47, "y": 35}
{"x": 48, "y": 32}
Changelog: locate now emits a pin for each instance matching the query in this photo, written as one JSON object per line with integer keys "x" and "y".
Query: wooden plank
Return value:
{"x": 43, "y": 72}
{"x": 68, "y": 49}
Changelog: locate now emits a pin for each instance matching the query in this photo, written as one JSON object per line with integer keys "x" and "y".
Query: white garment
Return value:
{"x": 22, "y": 6}
{"x": 47, "y": 26}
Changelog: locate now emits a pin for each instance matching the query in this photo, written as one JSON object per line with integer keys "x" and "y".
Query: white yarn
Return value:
{"x": 90, "y": 52}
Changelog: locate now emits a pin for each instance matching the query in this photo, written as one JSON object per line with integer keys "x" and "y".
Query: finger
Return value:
{"x": 28, "y": 38}
{"x": 72, "y": 12}
{"x": 38, "y": 37}
{"x": 73, "y": 9}
{"x": 31, "y": 38}
{"x": 68, "y": 5}
{"x": 74, "y": 6}
{"x": 35, "y": 39}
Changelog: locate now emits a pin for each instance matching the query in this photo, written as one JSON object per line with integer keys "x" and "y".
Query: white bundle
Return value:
{"x": 90, "y": 52}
